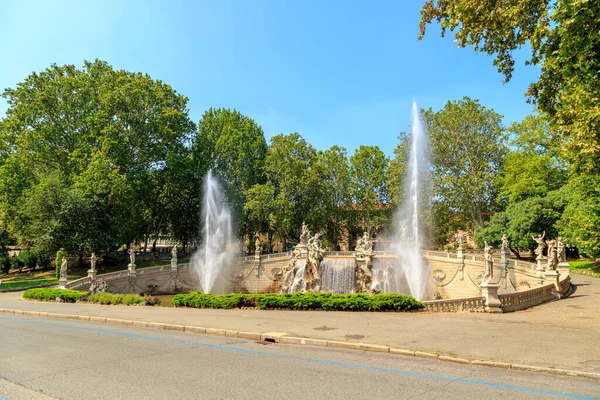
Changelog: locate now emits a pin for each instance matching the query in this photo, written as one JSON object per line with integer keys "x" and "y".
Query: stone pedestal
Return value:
{"x": 131, "y": 268}
{"x": 504, "y": 258}
{"x": 564, "y": 268}
{"x": 490, "y": 292}
{"x": 542, "y": 261}
{"x": 62, "y": 283}
{"x": 174, "y": 265}
{"x": 91, "y": 274}
{"x": 554, "y": 277}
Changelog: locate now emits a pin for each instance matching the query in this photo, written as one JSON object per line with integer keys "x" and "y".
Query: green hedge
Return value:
{"x": 301, "y": 301}
{"x": 114, "y": 298}
{"x": 69, "y": 296}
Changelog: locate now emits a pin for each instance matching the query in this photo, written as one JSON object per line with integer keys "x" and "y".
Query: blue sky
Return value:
{"x": 336, "y": 71}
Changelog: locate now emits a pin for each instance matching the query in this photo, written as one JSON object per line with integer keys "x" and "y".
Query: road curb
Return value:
{"x": 285, "y": 338}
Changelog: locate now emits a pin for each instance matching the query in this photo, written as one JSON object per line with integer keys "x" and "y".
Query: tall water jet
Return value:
{"x": 211, "y": 259}
{"x": 412, "y": 270}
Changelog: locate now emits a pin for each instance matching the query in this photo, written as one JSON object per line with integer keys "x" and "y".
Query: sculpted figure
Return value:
{"x": 304, "y": 236}
{"x": 540, "y": 242}
{"x": 504, "y": 243}
{"x": 459, "y": 238}
{"x": 561, "y": 250}
{"x": 174, "y": 254}
{"x": 131, "y": 256}
{"x": 93, "y": 259}
{"x": 289, "y": 273}
{"x": 552, "y": 255}
{"x": 257, "y": 245}
{"x": 315, "y": 255}
{"x": 63, "y": 268}
{"x": 489, "y": 263}
{"x": 364, "y": 264}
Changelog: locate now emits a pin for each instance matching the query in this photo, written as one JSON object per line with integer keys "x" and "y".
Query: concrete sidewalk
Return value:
{"x": 561, "y": 334}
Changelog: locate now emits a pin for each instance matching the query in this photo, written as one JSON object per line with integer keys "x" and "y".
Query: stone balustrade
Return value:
{"x": 474, "y": 304}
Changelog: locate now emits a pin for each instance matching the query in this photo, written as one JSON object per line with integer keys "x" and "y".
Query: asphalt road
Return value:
{"x": 48, "y": 358}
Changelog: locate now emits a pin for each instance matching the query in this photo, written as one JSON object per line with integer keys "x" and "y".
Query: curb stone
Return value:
{"x": 284, "y": 338}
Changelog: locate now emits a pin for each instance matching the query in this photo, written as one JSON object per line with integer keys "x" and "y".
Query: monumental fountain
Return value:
{"x": 456, "y": 281}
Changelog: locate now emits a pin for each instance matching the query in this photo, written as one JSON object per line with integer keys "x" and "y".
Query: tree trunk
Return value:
{"x": 516, "y": 252}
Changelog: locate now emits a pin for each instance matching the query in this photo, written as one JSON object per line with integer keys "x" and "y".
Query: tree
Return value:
{"x": 396, "y": 170}
{"x": 468, "y": 150}
{"x": 369, "y": 190}
{"x": 336, "y": 183}
{"x": 564, "y": 37}
{"x": 533, "y": 166}
{"x": 236, "y": 148}
{"x": 521, "y": 220}
{"x": 101, "y": 136}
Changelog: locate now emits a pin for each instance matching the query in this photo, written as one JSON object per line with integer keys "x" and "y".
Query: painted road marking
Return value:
{"x": 313, "y": 360}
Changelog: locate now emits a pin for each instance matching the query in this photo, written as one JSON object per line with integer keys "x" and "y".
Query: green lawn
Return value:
{"x": 40, "y": 278}
{"x": 585, "y": 268}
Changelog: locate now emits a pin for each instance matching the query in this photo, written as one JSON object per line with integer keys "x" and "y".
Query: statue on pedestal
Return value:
{"x": 552, "y": 255}
{"x": 63, "y": 269}
{"x": 561, "y": 250}
{"x": 93, "y": 260}
{"x": 505, "y": 247}
{"x": 174, "y": 255}
{"x": 489, "y": 263}
{"x": 257, "y": 246}
{"x": 539, "y": 251}
{"x": 131, "y": 253}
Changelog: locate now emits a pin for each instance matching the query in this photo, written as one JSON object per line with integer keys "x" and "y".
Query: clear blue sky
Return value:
{"x": 336, "y": 71}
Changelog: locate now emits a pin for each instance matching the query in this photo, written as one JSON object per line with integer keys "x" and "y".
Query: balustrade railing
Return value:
{"x": 527, "y": 298}
{"x": 476, "y": 304}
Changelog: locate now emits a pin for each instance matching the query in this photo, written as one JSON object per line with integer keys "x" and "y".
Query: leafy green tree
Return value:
{"x": 369, "y": 190}
{"x": 336, "y": 183}
{"x": 533, "y": 166}
{"x": 106, "y": 134}
{"x": 396, "y": 171}
{"x": 521, "y": 220}
{"x": 468, "y": 151}
{"x": 236, "y": 148}
{"x": 259, "y": 210}
{"x": 564, "y": 37}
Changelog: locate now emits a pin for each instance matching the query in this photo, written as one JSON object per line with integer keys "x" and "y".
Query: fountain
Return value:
{"x": 412, "y": 271}
{"x": 211, "y": 258}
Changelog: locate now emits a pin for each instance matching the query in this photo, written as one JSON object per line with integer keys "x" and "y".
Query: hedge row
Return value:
{"x": 68, "y": 296}
{"x": 71, "y": 296}
{"x": 301, "y": 301}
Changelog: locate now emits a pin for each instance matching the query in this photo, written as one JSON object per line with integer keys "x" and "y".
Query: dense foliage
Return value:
{"x": 72, "y": 296}
{"x": 301, "y": 301}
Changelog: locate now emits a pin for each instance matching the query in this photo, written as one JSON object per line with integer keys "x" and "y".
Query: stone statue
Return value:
{"x": 561, "y": 250}
{"x": 131, "y": 253}
{"x": 289, "y": 273}
{"x": 363, "y": 255}
{"x": 459, "y": 238}
{"x": 539, "y": 251}
{"x": 313, "y": 263}
{"x": 257, "y": 246}
{"x": 98, "y": 286}
{"x": 63, "y": 269}
{"x": 552, "y": 255}
{"x": 305, "y": 235}
{"x": 504, "y": 244}
{"x": 174, "y": 254}
{"x": 93, "y": 259}
{"x": 489, "y": 263}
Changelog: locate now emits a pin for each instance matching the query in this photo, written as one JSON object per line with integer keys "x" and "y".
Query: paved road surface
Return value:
{"x": 48, "y": 358}
{"x": 560, "y": 334}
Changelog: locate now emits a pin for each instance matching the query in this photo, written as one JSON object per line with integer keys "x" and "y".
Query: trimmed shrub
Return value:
{"x": 58, "y": 260}
{"x": 302, "y": 301}
{"x": 115, "y": 298}
{"x": 66, "y": 295}
{"x": 151, "y": 301}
